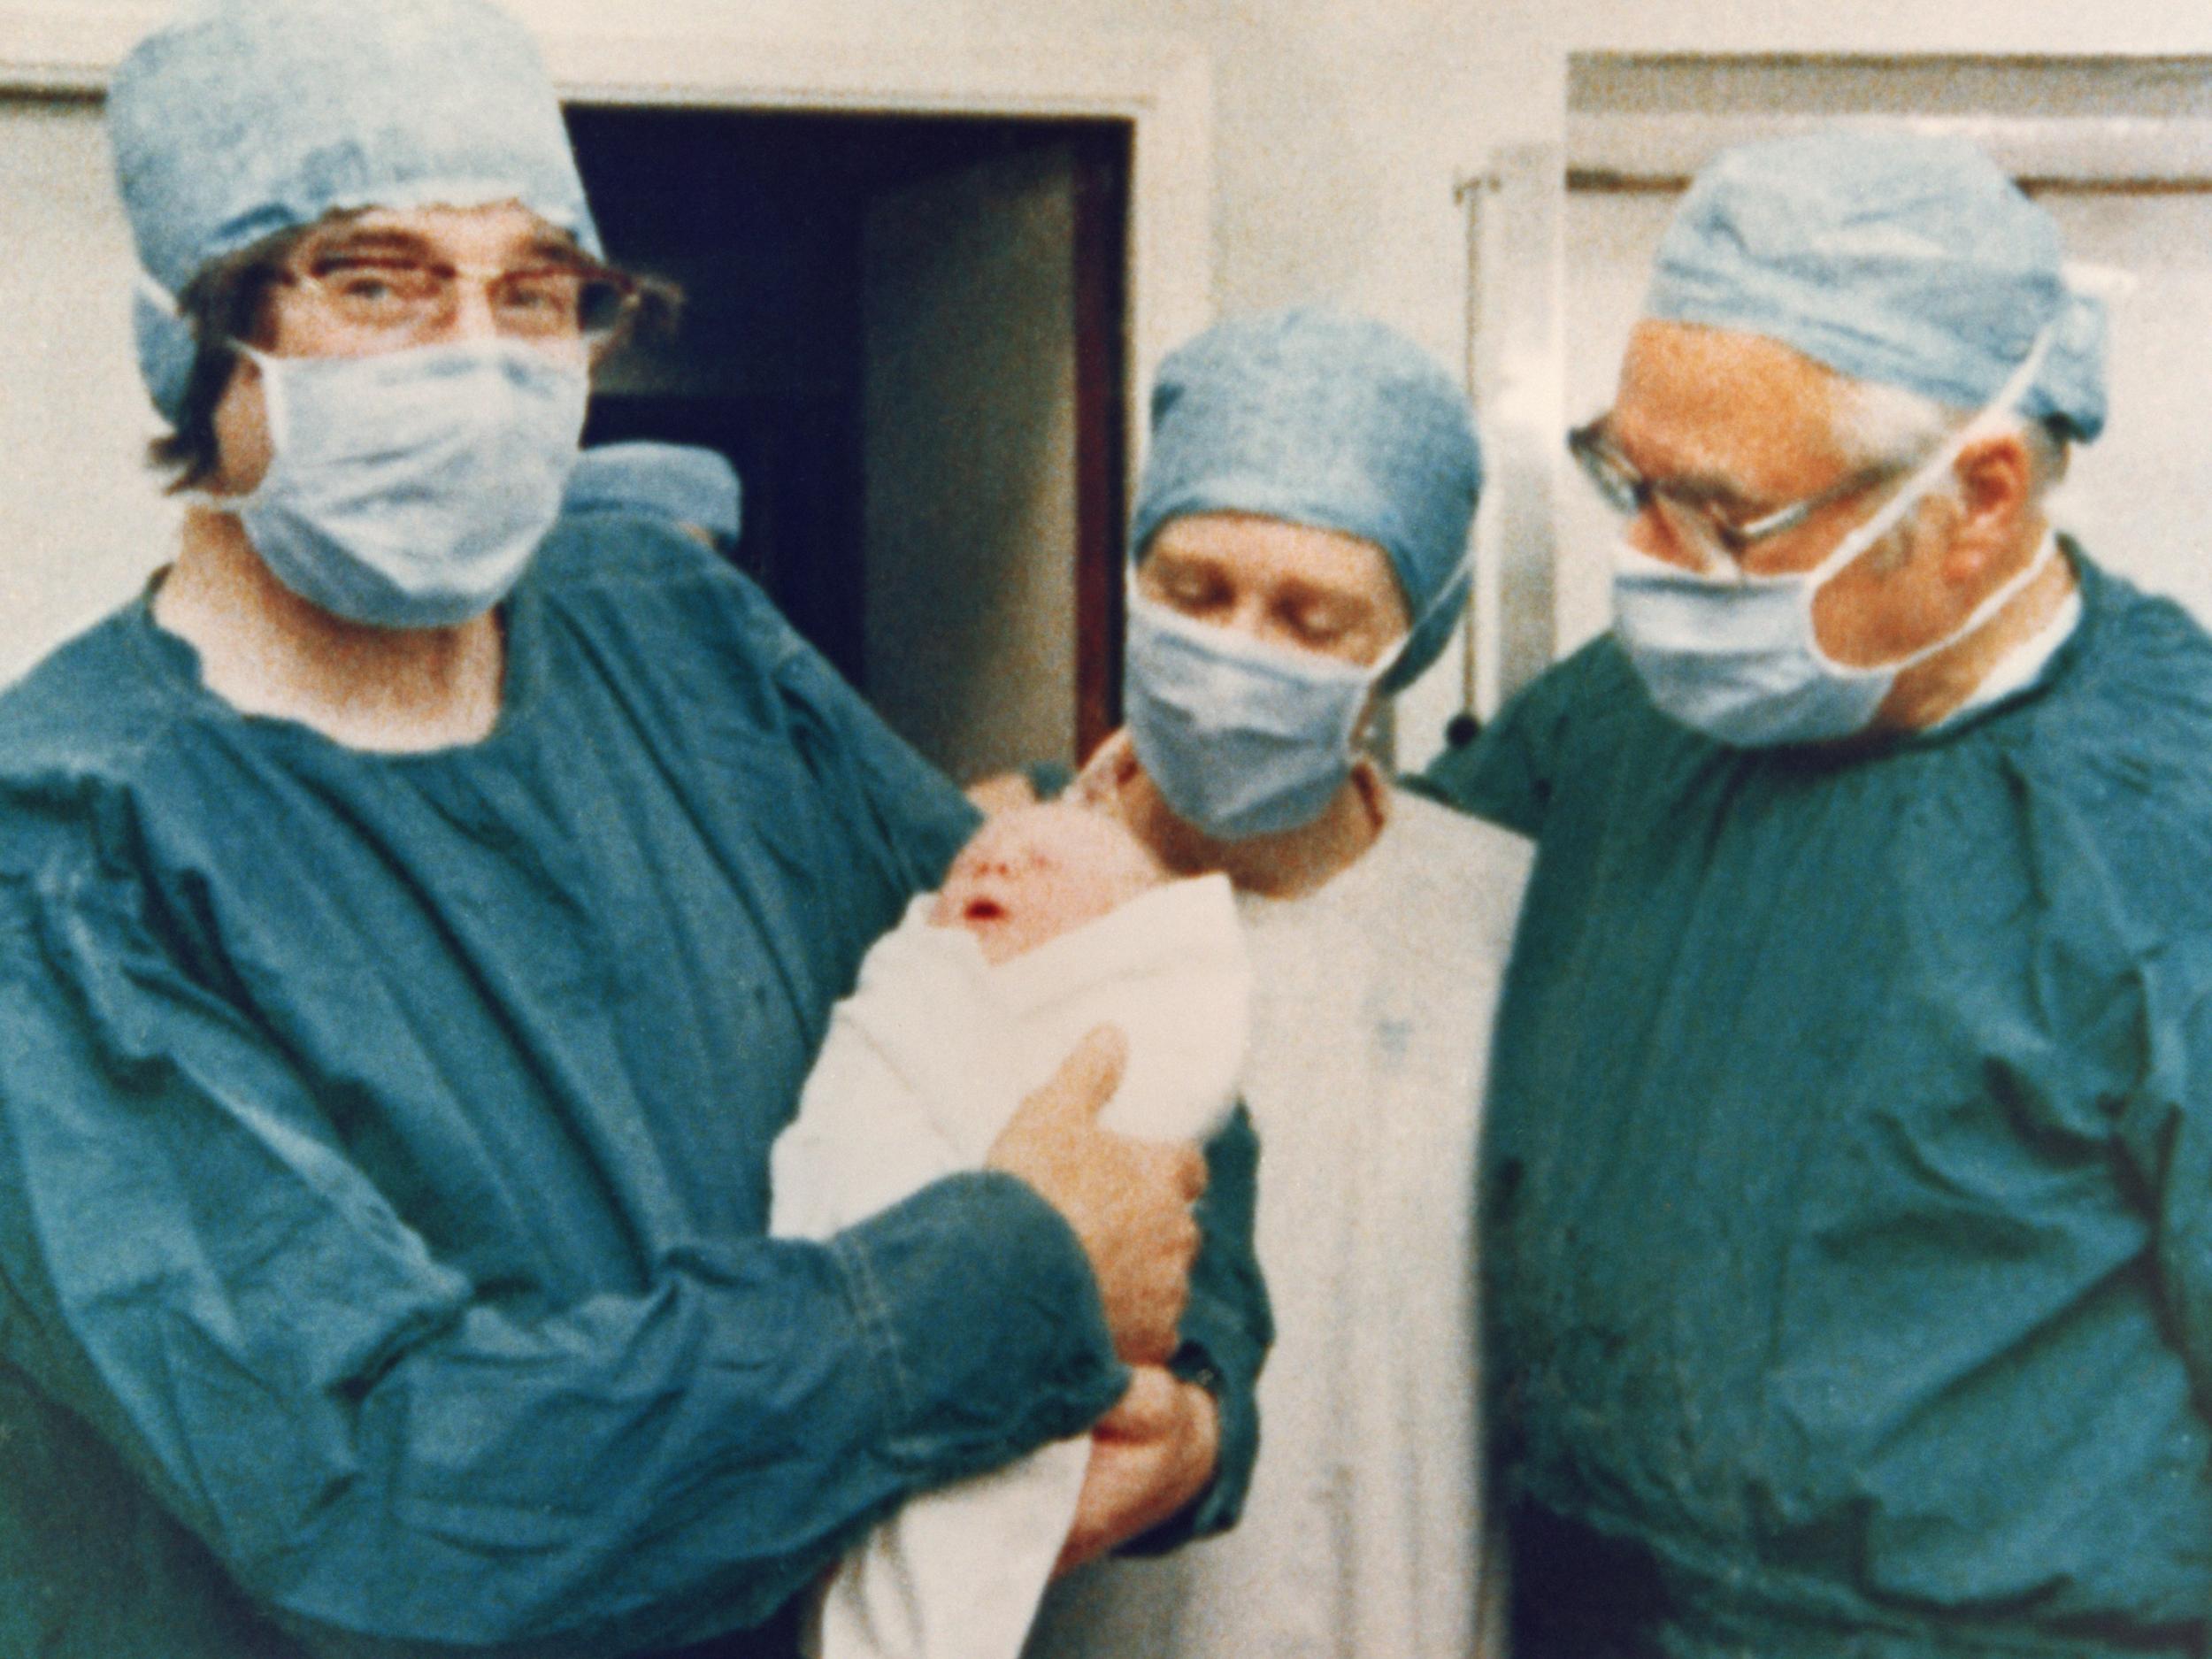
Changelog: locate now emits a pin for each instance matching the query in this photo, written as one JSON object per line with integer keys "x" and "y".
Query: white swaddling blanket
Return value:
{"x": 923, "y": 1066}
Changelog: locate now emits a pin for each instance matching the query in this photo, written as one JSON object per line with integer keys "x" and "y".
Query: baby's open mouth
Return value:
{"x": 983, "y": 910}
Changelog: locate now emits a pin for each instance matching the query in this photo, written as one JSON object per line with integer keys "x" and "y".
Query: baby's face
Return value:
{"x": 1035, "y": 873}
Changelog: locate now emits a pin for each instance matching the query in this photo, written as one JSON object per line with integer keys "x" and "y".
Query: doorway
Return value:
{"x": 908, "y": 334}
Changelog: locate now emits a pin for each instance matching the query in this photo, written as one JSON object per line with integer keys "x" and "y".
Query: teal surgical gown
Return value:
{"x": 1847, "y": 1187}
{"x": 384, "y": 1143}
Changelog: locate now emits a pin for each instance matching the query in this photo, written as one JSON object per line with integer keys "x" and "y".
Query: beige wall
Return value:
{"x": 80, "y": 520}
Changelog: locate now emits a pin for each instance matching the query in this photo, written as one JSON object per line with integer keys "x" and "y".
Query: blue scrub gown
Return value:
{"x": 384, "y": 1145}
{"x": 1848, "y": 1187}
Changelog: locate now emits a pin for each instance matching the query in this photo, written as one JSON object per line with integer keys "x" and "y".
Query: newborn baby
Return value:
{"x": 1054, "y": 920}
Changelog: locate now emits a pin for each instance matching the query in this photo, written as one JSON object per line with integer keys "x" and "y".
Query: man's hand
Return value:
{"x": 1150, "y": 1456}
{"x": 1128, "y": 1200}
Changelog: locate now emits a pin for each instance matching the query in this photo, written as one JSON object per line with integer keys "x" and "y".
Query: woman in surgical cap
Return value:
{"x": 1300, "y": 550}
{"x": 417, "y": 919}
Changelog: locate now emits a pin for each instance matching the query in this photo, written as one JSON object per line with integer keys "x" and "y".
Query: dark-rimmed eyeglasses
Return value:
{"x": 1700, "y": 524}
{"x": 394, "y": 298}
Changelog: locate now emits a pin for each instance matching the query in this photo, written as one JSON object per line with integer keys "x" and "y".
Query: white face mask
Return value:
{"x": 1240, "y": 737}
{"x": 1738, "y": 659}
{"x": 409, "y": 489}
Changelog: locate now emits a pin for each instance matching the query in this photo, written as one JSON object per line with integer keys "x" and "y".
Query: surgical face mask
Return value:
{"x": 409, "y": 491}
{"x": 1242, "y": 738}
{"x": 1738, "y": 657}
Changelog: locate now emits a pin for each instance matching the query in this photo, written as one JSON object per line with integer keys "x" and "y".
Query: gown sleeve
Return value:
{"x": 380, "y": 1451}
{"x": 1226, "y": 1332}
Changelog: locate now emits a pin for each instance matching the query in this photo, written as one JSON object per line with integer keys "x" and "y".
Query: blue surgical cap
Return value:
{"x": 662, "y": 480}
{"x": 1330, "y": 420}
{"x": 245, "y": 118}
{"x": 1894, "y": 256}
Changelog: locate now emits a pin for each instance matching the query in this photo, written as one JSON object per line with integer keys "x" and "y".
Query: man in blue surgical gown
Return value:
{"x": 1848, "y": 1201}
{"x": 414, "y": 929}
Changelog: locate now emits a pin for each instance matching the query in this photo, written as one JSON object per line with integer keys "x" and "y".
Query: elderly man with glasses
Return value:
{"x": 1847, "y": 1195}
{"x": 417, "y": 919}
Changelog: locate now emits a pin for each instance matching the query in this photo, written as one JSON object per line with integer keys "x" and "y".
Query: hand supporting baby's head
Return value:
{"x": 1034, "y": 873}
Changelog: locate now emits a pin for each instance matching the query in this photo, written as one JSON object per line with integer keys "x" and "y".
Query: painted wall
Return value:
{"x": 82, "y": 520}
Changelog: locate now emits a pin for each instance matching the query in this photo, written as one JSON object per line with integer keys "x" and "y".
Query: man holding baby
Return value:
{"x": 415, "y": 928}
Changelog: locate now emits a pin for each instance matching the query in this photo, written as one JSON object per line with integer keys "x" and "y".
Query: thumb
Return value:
{"x": 1088, "y": 1077}
{"x": 1146, "y": 1409}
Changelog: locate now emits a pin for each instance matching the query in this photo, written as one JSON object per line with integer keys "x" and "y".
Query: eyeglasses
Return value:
{"x": 1699, "y": 524}
{"x": 390, "y": 297}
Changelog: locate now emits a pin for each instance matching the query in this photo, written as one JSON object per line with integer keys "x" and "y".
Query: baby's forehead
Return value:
{"x": 1061, "y": 831}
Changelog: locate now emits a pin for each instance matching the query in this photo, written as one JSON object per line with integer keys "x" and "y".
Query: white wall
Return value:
{"x": 1997, "y": 28}
{"x": 82, "y": 523}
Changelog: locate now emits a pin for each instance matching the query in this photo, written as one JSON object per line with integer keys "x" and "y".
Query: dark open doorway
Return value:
{"x": 908, "y": 334}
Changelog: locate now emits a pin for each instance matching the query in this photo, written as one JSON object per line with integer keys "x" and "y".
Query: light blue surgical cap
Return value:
{"x": 1890, "y": 256}
{"x": 664, "y": 480}
{"x": 245, "y": 118}
{"x": 1330, "y": 420}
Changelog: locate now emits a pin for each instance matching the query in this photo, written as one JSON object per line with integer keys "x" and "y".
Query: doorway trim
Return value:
{"x": 1162, "y": 85}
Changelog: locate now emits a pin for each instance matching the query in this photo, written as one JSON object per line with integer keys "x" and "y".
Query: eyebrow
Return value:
{"x": 557, "y": 249}
{"x": 1693, "y": 484}
{"x": 1710, "y": 488}
{"x": 552, "y": 248}
{"x": 370, "y": 240}
{"x": 1179, "y": 562}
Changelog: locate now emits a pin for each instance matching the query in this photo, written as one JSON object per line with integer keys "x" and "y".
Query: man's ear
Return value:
{"x": 1996, "y": 491}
